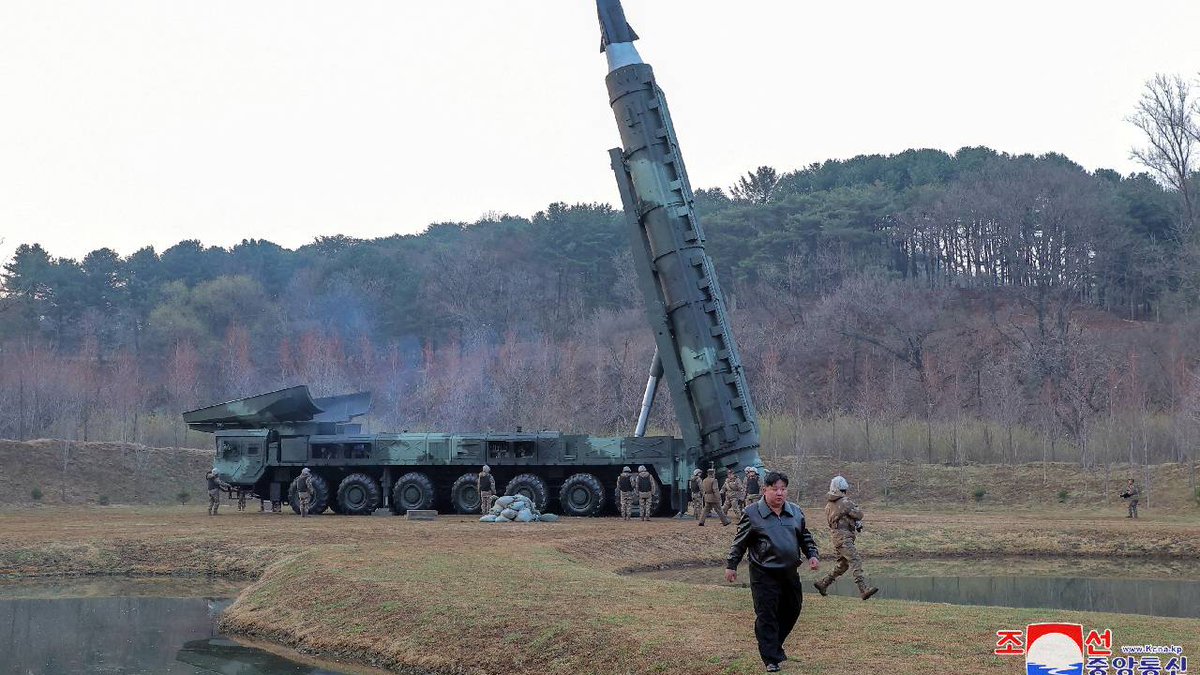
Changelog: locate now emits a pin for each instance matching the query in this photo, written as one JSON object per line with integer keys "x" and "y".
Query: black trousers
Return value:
{"x": 777, "y": 601}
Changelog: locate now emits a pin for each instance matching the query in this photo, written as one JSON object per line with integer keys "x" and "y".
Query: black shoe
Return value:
{"x": 772, "y": 667}
{"x": 699, "y": 524}
{"x": 725, "y": 524}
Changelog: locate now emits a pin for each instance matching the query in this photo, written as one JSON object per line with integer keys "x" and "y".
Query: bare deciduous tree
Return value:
{"x": 1167, "y": 115}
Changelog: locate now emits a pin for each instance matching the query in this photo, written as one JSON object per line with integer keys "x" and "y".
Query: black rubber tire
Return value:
{"x": 581, "y": 495}
{"x": 320, "y": 499}
{"x": 412, "y": 492}
{"x": 358, "y": 495}
{"x": 333, "y": 506}
{"x": 464, "y": 494}
{"x": 531, "y": 486}
{"x": 636, "y": 510}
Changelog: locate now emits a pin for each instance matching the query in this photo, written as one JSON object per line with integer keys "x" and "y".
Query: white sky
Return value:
{"x": 142, "y": 122}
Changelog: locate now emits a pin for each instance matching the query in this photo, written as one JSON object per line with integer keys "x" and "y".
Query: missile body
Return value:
{"x": 684, "y": 303}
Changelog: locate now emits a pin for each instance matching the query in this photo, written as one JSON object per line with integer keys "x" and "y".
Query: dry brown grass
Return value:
{"x": 457, "y": 596}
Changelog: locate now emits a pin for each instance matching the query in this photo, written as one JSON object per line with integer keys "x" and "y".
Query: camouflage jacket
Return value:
{"x": 841, "y": 513}
{"x": 734, "y": 489}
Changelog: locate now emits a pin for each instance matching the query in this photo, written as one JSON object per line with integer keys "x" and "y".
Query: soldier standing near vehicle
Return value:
{"x": 712, "y": 499}
{"x": 695, "y": 488}
{"x": 241, "y": 499}
{"x": 487, "y": 489}
{"x": 625, "y": 490}
{"x": 1131, "y": 493}
{"x": 735, "y": 495}
{"x": 304, "y": 490}
{"x": 753, "y": 488}
{"x": 215, "y": 485}
{"x": 845, "y": 522}
{"x": 645, "y": 489}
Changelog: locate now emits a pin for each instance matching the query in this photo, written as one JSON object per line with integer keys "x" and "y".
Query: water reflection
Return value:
{"x": 931, "y": 582}
{"x": 127, "y": 635}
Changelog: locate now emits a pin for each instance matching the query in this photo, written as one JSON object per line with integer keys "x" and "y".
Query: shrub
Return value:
{"x": 36, "y": 493}
{"x": 1062, "y": 496}
{"x": 103, "y": 500}
{"x": 183, "y": 497}
{"x": 978, "y": 494}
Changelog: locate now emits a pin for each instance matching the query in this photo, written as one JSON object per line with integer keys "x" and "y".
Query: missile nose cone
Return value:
{"x": 614, "y": 29}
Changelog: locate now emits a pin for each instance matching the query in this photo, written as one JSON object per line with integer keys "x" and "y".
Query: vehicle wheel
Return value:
{"x": 358, "y": 495}
{"x": 333, "y": 506}
{"x": 414, "y": 491}
{"x": 581, "y": 495}
{"x": 636, "y": 509}
{"x": 320, "y": 498}
{"x": 531, "y": 486}
{"x": 464, "y": 494}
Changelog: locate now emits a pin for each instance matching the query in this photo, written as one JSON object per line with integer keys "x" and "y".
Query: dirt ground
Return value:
{"x": 458, "y": 596}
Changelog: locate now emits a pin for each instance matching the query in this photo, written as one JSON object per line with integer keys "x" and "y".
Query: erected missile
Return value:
{"x": 684, "y": 303}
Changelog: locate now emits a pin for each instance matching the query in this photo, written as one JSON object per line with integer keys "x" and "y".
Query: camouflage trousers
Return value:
{"x": 713, "y": 506}
{"x": 697, "y": 504}
{"x": 485, "y": 502}
{"x": 241, "y": 500}
{"x": 214, "y": 501}
{"x": 735, "y": 507}
{"x": 644, "y": 504}
{"x": 305, "y": 500}
{"x": 847, "y": 559}
{"x": 626, "y": 504}
{"x": 1133, "y": 508}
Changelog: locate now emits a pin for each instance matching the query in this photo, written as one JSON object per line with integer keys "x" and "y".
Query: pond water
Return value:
{"x": 1155, "y": 588}
{"x": 129, "y": 626}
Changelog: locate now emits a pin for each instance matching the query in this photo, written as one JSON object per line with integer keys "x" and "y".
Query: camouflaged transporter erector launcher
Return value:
{"x": 264, "y": 441}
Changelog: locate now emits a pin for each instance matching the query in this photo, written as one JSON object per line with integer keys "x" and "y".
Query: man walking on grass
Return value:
{"x": 774, "y": 532}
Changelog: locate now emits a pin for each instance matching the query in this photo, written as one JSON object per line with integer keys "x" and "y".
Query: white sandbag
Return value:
{"x": 525, "y": 516}
{"x": 504, "y": 501}
{"x": 508, "y": 514}
{"x": 488, "y": 519}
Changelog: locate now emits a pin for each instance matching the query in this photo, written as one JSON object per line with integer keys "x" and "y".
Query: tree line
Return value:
{"x": 933, "y": 303}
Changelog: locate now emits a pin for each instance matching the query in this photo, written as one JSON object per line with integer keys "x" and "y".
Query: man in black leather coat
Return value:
{"x": 774, "y": 532}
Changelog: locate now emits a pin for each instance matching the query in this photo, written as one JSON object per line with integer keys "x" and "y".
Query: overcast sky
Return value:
{"x": 143, "y": 122}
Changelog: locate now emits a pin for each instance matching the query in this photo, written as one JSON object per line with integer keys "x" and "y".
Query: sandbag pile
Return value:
{"x": 516, "y": 509}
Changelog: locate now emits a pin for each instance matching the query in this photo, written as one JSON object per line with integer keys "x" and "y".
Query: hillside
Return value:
{"x": 82, "y": 473}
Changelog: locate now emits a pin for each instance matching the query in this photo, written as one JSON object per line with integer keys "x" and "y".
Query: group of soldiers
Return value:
{"x": 732, "y": 497}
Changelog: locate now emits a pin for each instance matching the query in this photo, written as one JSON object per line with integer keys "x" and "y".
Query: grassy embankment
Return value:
{"x": 456, "y": 596}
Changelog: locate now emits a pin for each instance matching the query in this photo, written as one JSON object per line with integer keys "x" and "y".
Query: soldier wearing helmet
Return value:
{"x": 845, "y": 522}
{"x": 215, "y": 485}
{"x": 696, "y": 491}
{"x": 487, "y": 489}
{"x": 753, "y": 486}
{"x": 625, "y": 489}
{"x": 304, "y": 491}
{"x": 645, "y": 489}
{"x": 735, "y": 494}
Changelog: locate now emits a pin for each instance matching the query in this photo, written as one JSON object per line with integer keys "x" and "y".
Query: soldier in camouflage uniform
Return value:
{"x": 845, "y": 522}
{"x": 625, "y": 489}
{"x": 695, "y": 489}
{"x": 735, "y": 495}
{"x": 712, "y": 498}
{"x": 1131, "y": 493}
{"x": 487, "y": 489}
{"x": 215, "y": 485}
{"x": 304, "y": 491}
{"x": 753, "y": 486}
{"x": 241, "y": 499}
{"x": 645, "y": 488}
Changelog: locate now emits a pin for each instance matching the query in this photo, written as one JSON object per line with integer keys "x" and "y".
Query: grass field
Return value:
{"x": 458, "y": 596}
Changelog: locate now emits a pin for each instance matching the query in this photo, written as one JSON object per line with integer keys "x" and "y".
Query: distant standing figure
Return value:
{"x": 487, "y": 489}
{"x": 215, "y": 485}
{"x": 753, "y": 489}
{"x": 625, "y": 488}
{"x": 241, "y": 499}
{"x": 735, "y": 495}
{"x": 304, "y": 491}
{"x": 712, "y": 499}
{"x": 645, "y": 489}
{"x": 845, "y": 522}
{"x": 695, "y": 487}
{"x": 1131, "y": 493}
